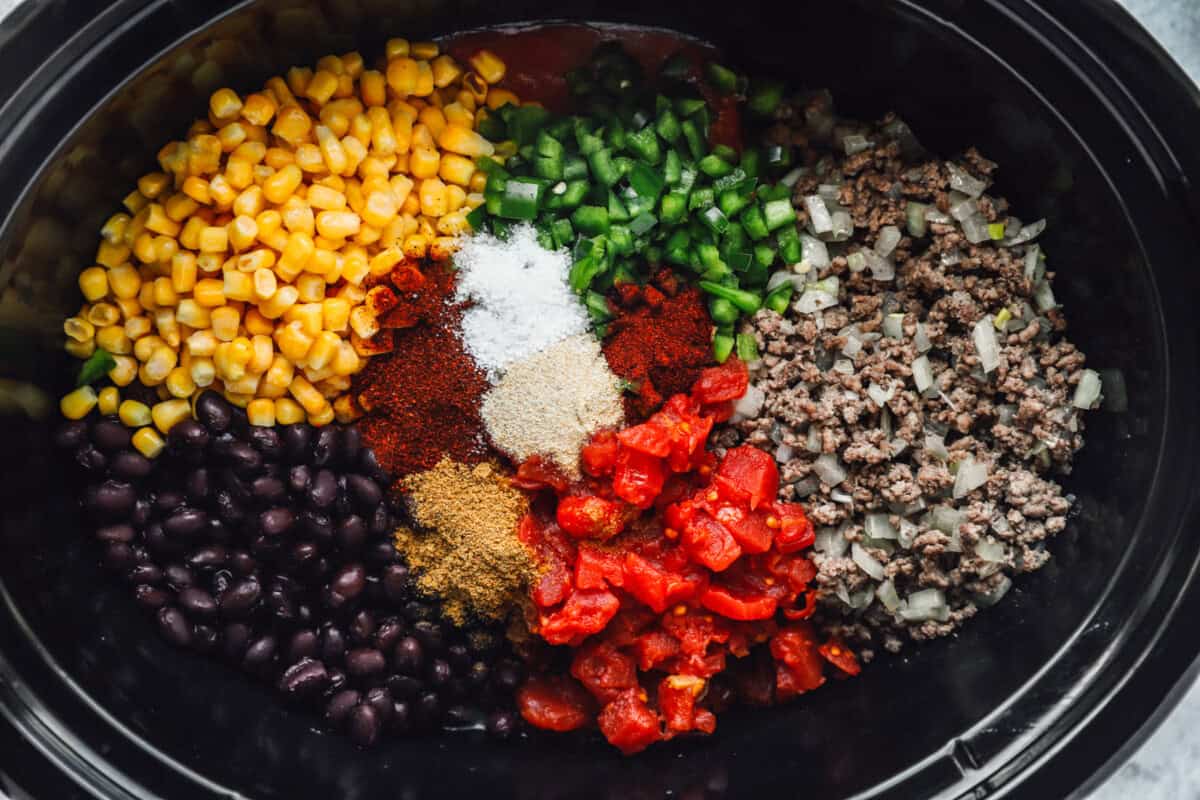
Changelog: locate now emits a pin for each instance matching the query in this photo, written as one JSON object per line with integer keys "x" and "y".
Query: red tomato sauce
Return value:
{"x": 664, "y": 567}
{"x": 538, "y": 57}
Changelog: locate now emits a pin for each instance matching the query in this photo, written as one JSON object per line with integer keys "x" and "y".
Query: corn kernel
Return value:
{"x": 209, "y": 292}
{"x": 402, "y": 75}
{"x": 113, "y": 339}
{"x": 363, "y": 322}
{"x": 277, "y": 378}
{"x": 148, "y": 442}
{"x": 324, "y": 198}
{"x": 322, "y": 416}
{"x": 280, "y": 302}
{"x": 433, "y": 197}
{"x": 179, "y": 382}
{"x": 424, "y": 87}
{"x": 296, "y": 255}
{"x": 124, "y": 281}
{"x": 416, "y": 246}
{"x": 488, "y": 65}
{"x": 80, "y": 350}
{"x": 323, "y": 349}
{"x": 443, "y": 248}
{"x": 332, "y": 152}
{"x": 288, "y": 411}
{"x": 203, "y": 372}
{"x": 144, "y": 347}
{"x": 261, "y": 412}
{"x": 242, "y": 232}
{"x": 93, "y": 282}
{"x": 225, "y": 104}
{"x": 263, "y": 354}
{"x": 445, "y": 71}
{"x": 309, "y": 315}
{"x": 160, "y": 364}
{"x": 225, "y": 322}
{"x": 292, "y": 125}
{"x": 214, "y": 239}
{"x": 256, "y": 324}
{"x": 258, "y": 108}
{"x": 108, "y": 400}
{"x": 280, "y": 186}
{"x": 306, "y": 395}
{"x": 164, "y": 293}
{"x": 134, "y": 414}
{"x": 137, "y": 327}
{"x": 311, "y": 288}
{"x": 338, "y": 224}
{"x": 169, "y": 413}
{"x": 238, "y": 286}
{"x": 465, "y": 142}
{"x": 346, "y": 361}
{"x": 250, "y": 202}
{"x": 124, "y": 371}
{"x": 264, "y": 283}
{"x": 424, "y": 162}
{"x": 168, "y": 327}
{"x": 79, "y": 329}
{"x": 79, "y": 403}
{"x": 293, "y": 342}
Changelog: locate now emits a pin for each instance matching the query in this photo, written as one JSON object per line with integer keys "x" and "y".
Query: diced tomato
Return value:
{"x": 600, "y": 454}
{"x": 629, "y": 724}
{"x": 536, "y": 473}
{"x": 676, "y": 488}
{"x": 749, "y": 472}
{"x": 749, "y": 528}
{"x": 688, "y": 431}
{"x": 629, "y": 623}
{"x": 604, "y": 670}
{"x": 650, "y": 438}
{"x": 722, "y": 601}
{"x": 718, "y": 384}
{"x": 637, "y": 478}
{"x": 677, "y": 703}
{"x": 696, "y": 631}
{"x": 653, "y": 648}
{"x": 795, "y": 529}
{"x": 598, "y": 569}
{"x": 798, "y": 663}
{"x": 552, "y": 586}
{"x": 840, "y": 656}
{"x": 720, "y": 412}
{"x": 649, "y": 583}
{"x": 590, "y": 517}
{"x": 586, "y": 611}
{"x": 554, "y": 703}
{"x": 709, "y": 542}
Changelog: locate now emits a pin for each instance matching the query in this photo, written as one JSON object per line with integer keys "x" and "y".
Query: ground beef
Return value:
{"x": 900, "y": 449}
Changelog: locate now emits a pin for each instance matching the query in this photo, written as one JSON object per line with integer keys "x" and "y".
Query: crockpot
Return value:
{"x": 1094, "y": 128}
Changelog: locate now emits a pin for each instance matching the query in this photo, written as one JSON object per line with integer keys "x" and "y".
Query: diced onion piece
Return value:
{"x": 975, "y": 228}
{"x": 751, "y": 403}
{"x": 946, "y": 519}
{"x": 897, "y": 446}
{"x": 915, "y": 219}
{"x": 893, "y": 326}
{"x": 990, "y": 550}
{"x": 1087, "y": 392}
{"x": 994, "y": 595}
{"x": 784, "y": 453}
{"x": 935, "y": 217}
{"x": 908, "y": 532}
{"x": 853, "y": 345}
{"x": 970, "y": 476}
{"x": 889, "y": 237}
{"x": 814, "y": 300}
{"x": 965, "y": 182}
{"x": 831, "y": 542}
{"x": 798, "y": 282}
{"x": 936, "y": 445}
{"x": 814, "y": 250}
{"x": 866, "y": 561}
{"x": 856, "y": 261}
{"x": 1028, "y": 234}
{"x": 986, "y": 345}
{"x": 881, "y": 268}
{"x": 1043, "y": 296}
{"x": 829, "y": 469}
{"x": 855, "y": 143}
{"x": 813, "y": 442}
{"x": 844, "y": 366}
{"x": 879, "y": 526}
{"x": 964, "y": 209}
{"x": 879, "y": 395}
{"x": 843, "y": 226}
{"x": 818, "y": 214}
{"x": 922, "y": 373}
{"x": 805, "y": 486}
{"x": 830, "y": 192}
{"x": 886, "y": 592}
{"x": 921, "y": 339}
{"x": 838, "y": 496}
{"x": 791, "y": 178}
{"x": 1033, "y": 264}
{"x": 925, "y": 605}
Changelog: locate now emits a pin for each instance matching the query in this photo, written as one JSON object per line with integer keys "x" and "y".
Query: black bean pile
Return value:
{"x": 271, "y": 548}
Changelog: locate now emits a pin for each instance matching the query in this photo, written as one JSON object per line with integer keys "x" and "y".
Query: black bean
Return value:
{"x": 220, "y": 447}
{"x": 174, "y": 626}
{"x": 260, "y": 653}
{"x": 303, "y": 644}
{"x": 404, "y": 686}
{"x": 207, "y": 557}
{"x": 119, "y": 556}
{"x": 197, "y": 602}
{"x": 362, "y": 627}
{"x": 243, "y": 563}
{"x": 380, "y": 699}
{"x": 268, "y": 490}
{"x": 395, "y": 582}
{"x": 266, "y": 441}
{"x": 368, "y": 462}
{"x": 409, "y": 656}
{"x": 205, "y": 638}
{"x": 318, "y": 526}
{"x": 340, "y": 705}
{"x": 228, "y": 509}
{"x": 239, "y": 423}
{"x": 113, "y": 500}
{"x": 365, "y": 662}
{"x": 276, "y": 521}
{"x": 303, "y": 553}
{"x": 214, "y": 411}
{"x": 297, "y": 443}
{"x": 333, "y": 645}
{"x": 508, "y": 676}
{"x": 349, "y": 581}
{"x": 189, "y": 435}
{"x": 245, "y": 460}
{"x": 415, "y": 610}
{"x": 143, "y": 509}
{"x": 327, "y": 448}
{"x": 380, "y": 554}
{"x": 217, "y": 531}
{"x": 89, "y": 457}
{"x": 343, "y": 506}
{"x": 70, "y": 434}
{"x": 430, "y": 635}
{"x": 146, "y": 573}
{"x": 379, "y": 520}
{"x": 198, "y": 486}
{"x": 167, "y": 501}
{"x": 305, "y": 677}
{"x": 502, "y": 724}
{"x": 185, "y": 523}
{"x": 241, "y": 597}
{"x": 299, "y": 478}
{"x": 120, "y": 532}
{"x": 363, "y": 725}
{"x": 388, "y": 633}
{"x": 323, "y": 491}
{"x": 151, "y": 597}
{"x": 365, "y": 492}
{"x": 304, "y": 614}
{"x": 222, "y": 579}
{"x": 179, "y": 576}
{"x": 281, "y": 603}
{"x": 158, "y": 542}
{"x": 351, "y": 533}
{"x": 401, "y": 717}
{"x": 266, "y": 547}
{"x": 110, "y": 435}
{"x": 130, "y": 465}
{"x": 439, "y": 672}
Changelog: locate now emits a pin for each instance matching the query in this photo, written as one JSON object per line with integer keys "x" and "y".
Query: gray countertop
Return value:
{"x": 1167, "y": 765}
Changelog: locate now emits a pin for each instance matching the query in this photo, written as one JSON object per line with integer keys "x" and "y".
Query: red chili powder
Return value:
{"x": 659, "y": 342}
{"x": 422, "y": 399}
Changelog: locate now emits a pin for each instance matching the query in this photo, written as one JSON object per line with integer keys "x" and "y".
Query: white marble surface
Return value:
{"x": 1167, "y": 766}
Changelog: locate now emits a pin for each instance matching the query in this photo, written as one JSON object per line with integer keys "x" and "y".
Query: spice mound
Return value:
{"x": 467, "y": 551}
{"x": 551, "y": 404}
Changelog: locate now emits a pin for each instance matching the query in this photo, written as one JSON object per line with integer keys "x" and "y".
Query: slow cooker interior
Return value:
{"x": 921, "y": 722}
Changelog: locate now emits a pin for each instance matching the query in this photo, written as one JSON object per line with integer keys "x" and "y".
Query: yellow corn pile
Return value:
{"x": 244, "y": 264}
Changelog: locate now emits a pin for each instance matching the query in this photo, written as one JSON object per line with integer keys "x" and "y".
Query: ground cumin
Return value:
{"x": 465, "y": 548}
